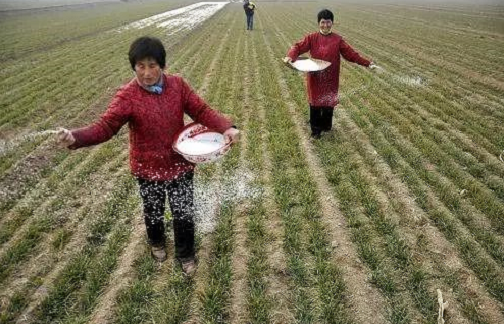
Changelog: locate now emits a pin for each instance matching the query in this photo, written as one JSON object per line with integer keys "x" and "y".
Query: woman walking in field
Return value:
{"x": 322, "y": 86}
{"x": 153, "y": 105}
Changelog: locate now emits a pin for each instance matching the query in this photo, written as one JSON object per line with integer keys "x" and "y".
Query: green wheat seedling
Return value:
{"x": 42, "y": 34}
{"x": 48, "y": 222}
{"x": 381, "y": 274}
{"x": 481, "y": 196}
{"x": 98, "y": 229}
{"x": 439, "y": 102}
{"x": 446, "y": 274}
{"x": 441, "y": 217}
{"x": 80, "y": 272}
{"x": 259, "y": 302}
{"x": 413, "y": 162}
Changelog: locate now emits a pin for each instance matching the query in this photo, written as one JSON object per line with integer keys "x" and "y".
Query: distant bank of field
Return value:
{"x": 33, "y": 4}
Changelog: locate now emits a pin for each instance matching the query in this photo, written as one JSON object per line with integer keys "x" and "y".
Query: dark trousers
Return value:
{"x": 181, "y": 197}
{"x": 321, "y": 119}
{"x": 250, "y": 22}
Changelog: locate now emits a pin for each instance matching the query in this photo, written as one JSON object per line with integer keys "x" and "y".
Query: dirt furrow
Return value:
{"x": 423, "y": 23}
{"x": 72, "y": 245}
{"x": 106, "y": 43}
{"x": 43, "y": 207}
{"x": 17, "y": 181}
{"x": 238, "y": 308}
{"x": 278, "y": 288}
{"x": 448, "y": 84}
{"x": 121, "y": 277}
{"x": 190, "y": 67}
{"x": 475, "y": 59}
{"x": 450, "y": 76}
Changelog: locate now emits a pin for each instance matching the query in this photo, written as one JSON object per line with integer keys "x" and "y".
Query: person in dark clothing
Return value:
{"x": 249, "y": 8}
{"x": 153, "y": 105}
{"x": 322, "y": 86}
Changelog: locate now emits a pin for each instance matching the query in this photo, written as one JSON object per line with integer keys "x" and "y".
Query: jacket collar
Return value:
{"x": 156, "y": 88}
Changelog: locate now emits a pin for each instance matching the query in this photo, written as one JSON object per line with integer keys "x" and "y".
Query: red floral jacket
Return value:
{"x": 153, "y": 121}
{"x": 323, "y": 85}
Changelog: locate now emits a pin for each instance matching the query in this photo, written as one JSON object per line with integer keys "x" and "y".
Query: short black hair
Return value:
{"x": 325, "y": 14}
{"x": 145, "y": 47}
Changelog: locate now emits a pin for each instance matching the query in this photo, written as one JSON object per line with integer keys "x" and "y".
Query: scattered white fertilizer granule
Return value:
{"x": 411, "y": 81}
{"x": 235, "y": 188}
{"x": 8, "y": 146}
{"x": 187, "y": 17}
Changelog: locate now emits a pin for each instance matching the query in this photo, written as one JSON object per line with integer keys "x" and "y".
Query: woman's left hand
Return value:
{"x": 231, "y": 135}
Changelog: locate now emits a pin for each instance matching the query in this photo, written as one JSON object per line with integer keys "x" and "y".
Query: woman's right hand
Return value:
{"x": 65, "y": 137}
{"x": 287, "y": 60}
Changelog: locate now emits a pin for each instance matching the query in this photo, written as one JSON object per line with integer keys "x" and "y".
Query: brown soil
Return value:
{"x": 122, "y": 276}
{"x": 41, "y": 210}
{"x": 123, "y": 273}
{"x": 366, "y": 302}
{"x": 479, "y": 218}
{"x": 200, "y": 279}
{"x": 238, "y": 309}
{"x": 25, "y": 171}
{"x": 463, "y": 71}
{"x": 396, "y": 191}
{"x": 278, "y": 287}
{"x": 239, "y": 288}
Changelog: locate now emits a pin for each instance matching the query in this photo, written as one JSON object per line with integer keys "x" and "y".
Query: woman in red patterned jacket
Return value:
{"x": 153, "y": 105}
{"x": 322, "y": 86}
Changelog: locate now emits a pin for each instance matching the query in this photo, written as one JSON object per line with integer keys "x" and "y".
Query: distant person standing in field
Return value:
{"x": 153, "y": 105}
{"x": 322, "y": 86}
{"x": 249, "y": 8}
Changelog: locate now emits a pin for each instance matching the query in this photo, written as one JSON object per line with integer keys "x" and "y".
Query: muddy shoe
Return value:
{"x": 158, "y": 253}
{"x": 189, "y": 267}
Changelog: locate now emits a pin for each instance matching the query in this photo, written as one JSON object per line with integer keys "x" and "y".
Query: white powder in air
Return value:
{"x": 235, "y": 188}
{"x": 8, "y": 146}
